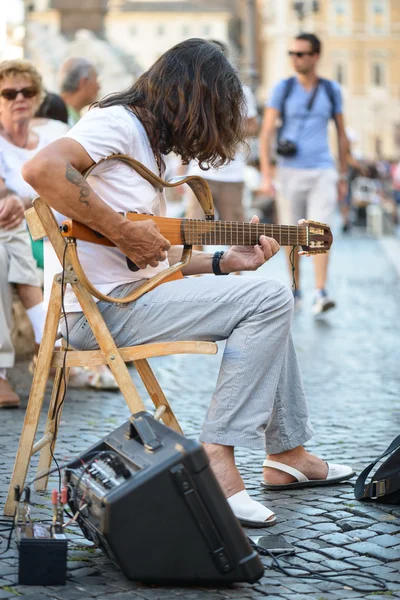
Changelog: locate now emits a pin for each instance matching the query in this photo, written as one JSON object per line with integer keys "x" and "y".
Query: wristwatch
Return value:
{"x": 215, "y": 263}
{"x": 343, "y": 177}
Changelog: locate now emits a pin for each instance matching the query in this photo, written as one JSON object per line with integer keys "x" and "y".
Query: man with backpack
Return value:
{"x": 310, "y": 186}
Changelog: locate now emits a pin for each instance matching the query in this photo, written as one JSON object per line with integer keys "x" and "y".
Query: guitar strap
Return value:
{"x": 198, "y": 185}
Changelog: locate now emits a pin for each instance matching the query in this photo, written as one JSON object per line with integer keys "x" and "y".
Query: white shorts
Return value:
{"x": 21, "y": 264}
{"x": 307, "y": 194}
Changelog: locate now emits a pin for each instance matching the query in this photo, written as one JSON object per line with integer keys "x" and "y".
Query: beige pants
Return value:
{"x": 17, "y": 265}
{"x": 307, "y": 194}
{"x": 228, "y": 201}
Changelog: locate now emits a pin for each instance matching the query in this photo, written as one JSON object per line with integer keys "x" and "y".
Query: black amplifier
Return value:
{"x": 148, "y": 498}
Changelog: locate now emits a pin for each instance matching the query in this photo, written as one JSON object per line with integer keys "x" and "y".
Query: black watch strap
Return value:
{"x": 215, "y": 263}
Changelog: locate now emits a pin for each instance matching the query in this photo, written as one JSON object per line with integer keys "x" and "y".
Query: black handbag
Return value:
{"x": 385, "y": 484}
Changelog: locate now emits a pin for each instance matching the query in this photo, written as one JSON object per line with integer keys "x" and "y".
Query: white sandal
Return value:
{"x": 336, "y": 474}
{"x": 87, "y": 377}
{"x": 249, "y": 512}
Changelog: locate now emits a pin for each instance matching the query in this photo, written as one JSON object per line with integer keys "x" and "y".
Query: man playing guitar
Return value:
{"x": 189, "y": 102}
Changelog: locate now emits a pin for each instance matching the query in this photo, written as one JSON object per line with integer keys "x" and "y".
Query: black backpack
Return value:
{"x": 385, "y": 484}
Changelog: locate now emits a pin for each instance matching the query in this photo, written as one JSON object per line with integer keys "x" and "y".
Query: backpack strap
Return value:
{"x": 375, "y": 489}
{"x": 289, "y": 83}
{"x": 328, "y": 87}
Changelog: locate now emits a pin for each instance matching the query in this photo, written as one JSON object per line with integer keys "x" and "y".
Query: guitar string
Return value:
{"x": 221, "y": 231}
{"x": 203, "y": 230}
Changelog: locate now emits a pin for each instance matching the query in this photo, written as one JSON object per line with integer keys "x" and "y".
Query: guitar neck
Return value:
{"x": 227, "y": 233}
{"x": 194, "y": 232}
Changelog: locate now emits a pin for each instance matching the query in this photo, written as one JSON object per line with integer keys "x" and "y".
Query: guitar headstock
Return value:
{"x": 319, "y": 238}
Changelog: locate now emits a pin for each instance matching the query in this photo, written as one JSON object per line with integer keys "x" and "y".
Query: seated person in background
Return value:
{"x": 20, "y": 93}
{"x": 189, "y": 102}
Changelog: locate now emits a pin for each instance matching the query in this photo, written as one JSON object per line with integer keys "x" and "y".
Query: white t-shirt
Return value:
{"x": 11, "y": 160}
{"x": 234, "y": 171}
{"x": 52, "y": 129}
{"x": 101, "y": 132}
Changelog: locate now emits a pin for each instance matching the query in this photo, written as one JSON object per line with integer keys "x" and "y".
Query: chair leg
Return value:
{"x": 35, "y": 401}
{"x": 156, "y": 393}
{"x": 109, "y": 348}
{"x": 52, "y": 425}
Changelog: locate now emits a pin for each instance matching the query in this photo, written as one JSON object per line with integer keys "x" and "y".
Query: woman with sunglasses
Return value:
{"x": 21, "y": 92}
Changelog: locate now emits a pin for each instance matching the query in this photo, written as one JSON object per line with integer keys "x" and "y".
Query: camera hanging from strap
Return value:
{"x": 289, "y": 147}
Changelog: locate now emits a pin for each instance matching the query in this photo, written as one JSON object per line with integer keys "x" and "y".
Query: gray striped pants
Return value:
{"x": 259, "y": 398}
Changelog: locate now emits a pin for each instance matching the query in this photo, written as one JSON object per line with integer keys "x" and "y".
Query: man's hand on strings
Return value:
{"x": 143, "y": 243}
{"x": 249, "y": 258}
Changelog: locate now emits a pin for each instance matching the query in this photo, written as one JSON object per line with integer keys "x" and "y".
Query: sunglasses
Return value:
{"x": 12, "y": 93}
{"x": 300, "y": 54}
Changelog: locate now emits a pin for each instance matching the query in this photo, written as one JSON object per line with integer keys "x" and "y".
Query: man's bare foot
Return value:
{"x": 308, "y": 464}
{"x": 222, "y": 461}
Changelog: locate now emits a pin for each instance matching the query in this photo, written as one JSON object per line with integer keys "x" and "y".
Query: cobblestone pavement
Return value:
{"x": 350, "y": 365}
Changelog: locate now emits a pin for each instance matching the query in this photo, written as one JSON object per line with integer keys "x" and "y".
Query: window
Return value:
{"x": 340, "y": 21}
{"x": 340, "y": 74}
{"x": 185, "y": 30}
{"x": 339, "y": 8}
{"x": 160, "y": 29}
{"x": 377, "y": 7}
{"x": 206, "y": 30}
{"x": 378, "y": 16}
{"x": 133, "y": 30}
{"x": 378, "y": 75}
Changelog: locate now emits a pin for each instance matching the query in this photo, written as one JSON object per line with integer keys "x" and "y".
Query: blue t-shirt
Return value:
{"x": 310, "y": 133}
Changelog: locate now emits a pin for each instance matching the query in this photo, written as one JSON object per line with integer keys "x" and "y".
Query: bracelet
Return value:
{"x": 215, "y": 263}
{"x": 343, "y": 177}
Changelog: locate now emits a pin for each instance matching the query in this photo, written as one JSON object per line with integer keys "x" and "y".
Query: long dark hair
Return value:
{"x": 190, "y": 102}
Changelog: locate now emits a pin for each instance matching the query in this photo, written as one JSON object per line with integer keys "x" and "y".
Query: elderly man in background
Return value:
{"x": 79, "y": 86}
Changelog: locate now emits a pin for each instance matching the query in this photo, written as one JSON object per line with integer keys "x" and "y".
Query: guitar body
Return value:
{"x": 169, "y": 228}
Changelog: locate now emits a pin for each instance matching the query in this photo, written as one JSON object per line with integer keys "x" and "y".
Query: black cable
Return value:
{"x": 11, "y": 530}
{"x": 322, "y": 575}
{"x": 291, "y": 259}
{"x": 58, "y": 408}
{"x": 86, "y": 465}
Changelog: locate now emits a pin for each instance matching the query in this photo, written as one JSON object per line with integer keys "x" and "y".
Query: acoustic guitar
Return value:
{"x": 311, "y": 236}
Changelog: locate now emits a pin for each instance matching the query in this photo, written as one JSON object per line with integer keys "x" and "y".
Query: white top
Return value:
{"x": 234, "y": 171}
{"x": 50, "y": 128}
{"x": 11, "y": 160}
{"x": 101, "y": 132}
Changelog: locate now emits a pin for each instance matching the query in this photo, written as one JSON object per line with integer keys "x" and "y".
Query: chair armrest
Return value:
{"x": 36, "y": 228}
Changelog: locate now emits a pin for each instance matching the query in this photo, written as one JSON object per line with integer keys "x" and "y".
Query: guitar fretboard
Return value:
{"x": 229, "y": 233}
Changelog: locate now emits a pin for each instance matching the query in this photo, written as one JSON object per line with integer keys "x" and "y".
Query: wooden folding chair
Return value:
{"x": 42, "y": 223}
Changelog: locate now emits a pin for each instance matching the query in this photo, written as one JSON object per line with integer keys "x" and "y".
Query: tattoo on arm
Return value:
{"x": 76, "y": 178}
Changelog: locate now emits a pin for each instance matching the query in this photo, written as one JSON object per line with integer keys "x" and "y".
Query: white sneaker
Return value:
{"x": 322, "y": 303}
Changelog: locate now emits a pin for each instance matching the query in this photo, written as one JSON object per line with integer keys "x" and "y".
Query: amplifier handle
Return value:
{"x": 203, "y": 520}
{"x": 141, "y": 428}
